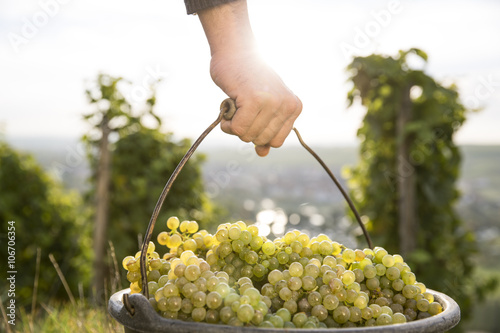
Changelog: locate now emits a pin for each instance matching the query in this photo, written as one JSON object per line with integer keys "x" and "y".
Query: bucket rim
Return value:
{"x": 146, "y": 319}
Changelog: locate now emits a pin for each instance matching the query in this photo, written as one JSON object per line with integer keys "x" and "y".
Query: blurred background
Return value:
{"x": 58, "y": 55}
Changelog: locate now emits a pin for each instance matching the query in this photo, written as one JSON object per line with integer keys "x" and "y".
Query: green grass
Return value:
{"x": 65, "y": 317}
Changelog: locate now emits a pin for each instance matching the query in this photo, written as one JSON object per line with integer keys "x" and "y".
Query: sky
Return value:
{"x": 51, "y": 50}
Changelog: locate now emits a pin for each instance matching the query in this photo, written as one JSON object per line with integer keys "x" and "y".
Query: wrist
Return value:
{"x": 227, "y": 28}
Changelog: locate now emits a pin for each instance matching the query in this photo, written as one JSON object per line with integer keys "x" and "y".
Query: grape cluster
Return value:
{"x": 237, "y": 277}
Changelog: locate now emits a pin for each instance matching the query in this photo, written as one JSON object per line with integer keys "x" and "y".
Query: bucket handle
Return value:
{"x": 227, "y": 111}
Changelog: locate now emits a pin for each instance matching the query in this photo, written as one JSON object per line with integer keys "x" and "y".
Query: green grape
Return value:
{"x": 259, "y": 270}
{"x": 398, "y": 318}
{"x": 237, "y": 246}
{"x": 299, "y": 319}
{"x": 245, "y": 313}
{"x": 234, "y": 232}
{"x": 295, "y": 283}
{"x": 408, "y": 278}
{"x": 198, "y": 314}
{"x": 254, "y": 295}
{"x": 435, "y": 308}
{"x": 222, "y": 235}
{"x": 192, "y": 272}
{"x": 133, "y": 276}
{"x": 372, "y": 284}
{"x": 360, "y": 302}
{"x": 173, "y": 223}
{"x": 367, "y": 313}
{"x": 189, "y": 289}
{"x": 384, "y": 319}
{"x": 388, "y": 260}
{"x": 296, "y": 269}
{"x": 276, "y": 321}
{"x": 296, "y": 247}
{"x": 399, "y": 299}
{"x": 290, "y": 305}
{"x": 392, "y": 273}
{"x": 170, "y": 290}
{"x": 376, "y": 310}
{"x": 256, "y": 243}
{"x": 308, "y": 283}
{"x": 360, "y": 276}
{"x": 381, "y": 269}
{"x": 284, "y": 314}
{"x": 222, "y": 289}
{"x": 161, "y": 303}
{"x": 355, "y": 314}
{"x": 410, "y": 291}
{"x": 330, "y": 302}
{"x": 369, "y": 271}
{"x": 213, "y": 300}
{"x": 268, "y": 248}
{"x": 348, "y": 256}
{"x": 379, "y": 254}
{"x": 251, "y": 257}
{"x": 174, "y": 303}
{"x": 275, "y": 276}
{"x": 226, "y": 314}
{"x": 314, "y": 298}
{"x": 312, "y": 270}
{"x": 285, "y": 294}
{"x": 320, "y": 312}
{"x": 282, "y": 257}
{"x": 186, "y": 306}
{"x": 325, "y": 248}
{"x": 398, "y": 285}
{"x": 341, "y": 314}
{"x": 348, "y": 277}
{"x": 386, "y": 309}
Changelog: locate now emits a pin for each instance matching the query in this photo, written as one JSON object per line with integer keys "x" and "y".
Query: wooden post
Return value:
{"x": 407, "y": 226}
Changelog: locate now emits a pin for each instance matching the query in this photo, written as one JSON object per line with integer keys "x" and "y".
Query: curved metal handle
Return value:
{"x": 227, "y": 111}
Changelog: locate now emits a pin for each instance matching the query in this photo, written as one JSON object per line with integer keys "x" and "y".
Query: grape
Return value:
{"x": 435, "y": 308}
{"x": 398, "y": 318}
{"x": 388, "y": 260}
{"x": 245, "y": 313}
{"x": 384, "y": 319}
{"x": 320, "y": 312}
{"x": 348, "y": 277}
{"x": 213, "y": 300}
{"x": 192, "y": 272}
{"x": 268, "y": 248}
{"x": 296, "y": 269}
{"x": 341, "y": 314}
{"x": 173, "y": 223}
{"x": 276, "y": 321}
{"x": 198, "y": 314}
{"x": 239, "y": 278}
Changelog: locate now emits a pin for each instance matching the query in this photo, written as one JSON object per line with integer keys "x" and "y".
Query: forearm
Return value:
{"x": 227, "y": 28}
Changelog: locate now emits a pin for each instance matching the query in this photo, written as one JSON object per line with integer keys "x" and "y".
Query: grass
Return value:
{"x": 75, "y": 315}
{"x": 66, "y": 317}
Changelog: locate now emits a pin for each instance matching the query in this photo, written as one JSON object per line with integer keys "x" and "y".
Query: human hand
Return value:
{"x": 266, "y": 108}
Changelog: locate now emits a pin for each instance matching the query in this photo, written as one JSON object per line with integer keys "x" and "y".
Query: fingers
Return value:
{"x": 267, "y": 125}
{"x": 262, "y": 150}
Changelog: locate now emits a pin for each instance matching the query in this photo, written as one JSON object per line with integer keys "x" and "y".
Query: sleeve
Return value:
{"x": 192, "y": 6}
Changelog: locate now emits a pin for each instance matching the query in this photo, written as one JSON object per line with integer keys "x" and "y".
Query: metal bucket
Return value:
{"x": 146, "y": 319}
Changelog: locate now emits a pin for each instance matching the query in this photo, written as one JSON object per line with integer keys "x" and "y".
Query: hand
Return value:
{"x": 266, "y": 108}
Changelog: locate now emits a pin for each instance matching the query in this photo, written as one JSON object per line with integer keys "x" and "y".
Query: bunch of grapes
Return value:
{"x": 237, "y": 277}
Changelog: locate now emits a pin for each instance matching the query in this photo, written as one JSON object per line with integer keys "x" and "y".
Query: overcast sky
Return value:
{"x": 50, "y": 50}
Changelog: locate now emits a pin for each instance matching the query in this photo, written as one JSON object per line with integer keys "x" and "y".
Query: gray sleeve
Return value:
{"x": 192, "y": 6}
